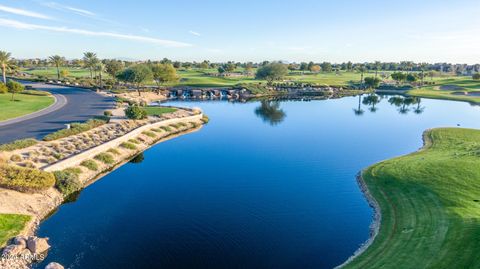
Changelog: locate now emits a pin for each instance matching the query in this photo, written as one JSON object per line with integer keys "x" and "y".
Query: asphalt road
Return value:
{"x": 73, "y": 105}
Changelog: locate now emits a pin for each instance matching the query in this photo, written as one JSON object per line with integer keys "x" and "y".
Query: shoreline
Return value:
{"x": 374, "y": 226}
{"x": 372, "y": 202}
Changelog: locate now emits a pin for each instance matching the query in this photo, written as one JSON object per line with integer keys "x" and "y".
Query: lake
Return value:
{"x": 263, "y": 185}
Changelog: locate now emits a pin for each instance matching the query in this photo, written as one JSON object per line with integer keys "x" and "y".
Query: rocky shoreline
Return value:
{"x": 374, "y": 226}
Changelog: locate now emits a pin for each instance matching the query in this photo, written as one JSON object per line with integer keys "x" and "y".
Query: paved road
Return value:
{"x": 77, "y": 105}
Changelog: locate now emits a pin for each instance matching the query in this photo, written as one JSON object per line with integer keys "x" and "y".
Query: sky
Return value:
{"x": 247, "y": 30}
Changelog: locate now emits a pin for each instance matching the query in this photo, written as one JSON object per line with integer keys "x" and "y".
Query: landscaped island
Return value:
{"x": 429, "y": 205}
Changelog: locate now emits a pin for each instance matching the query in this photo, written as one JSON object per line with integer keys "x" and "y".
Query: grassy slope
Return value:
{"x": 23, "y": 105}
{"x": 11, "y": 225}
{"x": 152, "y": 110}
{"x": 465, "y": 84}
{"x": 429, "y": 205}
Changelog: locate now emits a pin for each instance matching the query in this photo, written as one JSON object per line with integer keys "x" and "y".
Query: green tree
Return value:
{"x": 90, "y": 60}
{"x": 476, "y": 76}
{"x": 14, "y": 87}
{"x": 164, "y": 73}
{"x": 64, "y": 73}
{"x": 372, "y": 82}
{"x": 378, "y": 66}
{"x": 5, "y": 62}
{"x": 399, "y": 77}
{"x": 204, "y": 65}
{"x": 272, "y": 72}
{"x": 99, "y": 67}
{"x": 362, "y": 69}
{"x": 113, "y": 67}
{"x": 137, "y": 75}
{"x": 326, "y": 67}
{"x": 58, "y": 61}
{"x": 135, "y": 112}
{"x": 411, "y": 78}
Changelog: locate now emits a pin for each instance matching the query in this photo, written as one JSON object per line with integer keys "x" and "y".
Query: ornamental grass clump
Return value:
{"x": 128, "y": 145}
{"x": 90, "y": 165}
{"x": 105, "y": 158}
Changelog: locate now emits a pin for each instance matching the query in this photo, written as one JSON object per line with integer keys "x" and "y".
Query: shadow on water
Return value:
{"x": 137, "y": 159}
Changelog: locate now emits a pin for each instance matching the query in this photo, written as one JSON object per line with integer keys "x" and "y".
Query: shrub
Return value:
{"x": 166, "y": 128}
{"x": 3, "y": 88}
{"x": 148, "y": 133}
{"x": 75, "y": 128}
{"x": 25, "y": 179}
{"x": 114, "y": 151}
{"x": 16, "y": 158}
{"x": 156, "y": 130}
{"x": 205, "y": 119}
{"x": 476, "y": 76}
{"x": 134, "y": 141}
{"x": 135, "y": 112}
{"x": 105, "y": 158}
{"x": 128, "y": 146}
{"x": 107, "y": 113}
{"x": 90, "y": 165}
{"x": 14, "y": 87}
{"x": 67, "y": 181}
{"x": 18, "y": 144}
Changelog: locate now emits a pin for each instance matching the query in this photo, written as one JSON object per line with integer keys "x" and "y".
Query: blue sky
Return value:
{"x": 336, "y": 31}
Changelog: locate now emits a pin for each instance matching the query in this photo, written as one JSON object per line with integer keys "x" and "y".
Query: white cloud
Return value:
{"x": 24, "y": 12}
{"x": 194, "y": 33}
{"x": 27, "y": 26}
{"x": 78, "y": 11}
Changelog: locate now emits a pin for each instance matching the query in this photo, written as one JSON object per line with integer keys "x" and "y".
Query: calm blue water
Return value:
{"x": 267, "y": 185}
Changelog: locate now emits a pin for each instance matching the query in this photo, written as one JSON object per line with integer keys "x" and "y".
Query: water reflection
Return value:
{"x": 270, "y": 112}
{"x": 138, "y": 159}
{"x": 371, "y": 100}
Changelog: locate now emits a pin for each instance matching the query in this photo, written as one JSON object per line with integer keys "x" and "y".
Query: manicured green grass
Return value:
{"x": 158, "y": 110}
{"x": 11, "y": 225}
{"x": 430, "y": 205}
{"x": 23, "y": 104}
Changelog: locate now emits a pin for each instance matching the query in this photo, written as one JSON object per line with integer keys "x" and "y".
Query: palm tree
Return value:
{"x": 57, "y": 61}
{"x": 5, "y": 58}
{"x": 89, "y": 59}
{"x": 99, "y": 67}
{"x": 362, "y": 69}
{"x": 377, "y": 65}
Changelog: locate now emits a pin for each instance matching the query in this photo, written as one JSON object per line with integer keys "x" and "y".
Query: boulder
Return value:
{"x": 54, "y": 265}
{"x": 13, "y": 250}
{"x": 37, "y": 245}
{"x": 20, "y": 240}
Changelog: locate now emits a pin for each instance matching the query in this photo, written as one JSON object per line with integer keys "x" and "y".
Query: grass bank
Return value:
{"x": 23, "y": 104}
{"x": 430, "y": 205}
{"x": 11, "y": 225}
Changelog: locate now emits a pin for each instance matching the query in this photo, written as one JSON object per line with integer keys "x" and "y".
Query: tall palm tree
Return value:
{"x": 89, "y": 59}
{"x": 99, "y": 67}
{"x": 362, "y": 69}
{"x": 5, "y": 58}
{"x": 377, "y": 65}
{"x": 57, "y": 60}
